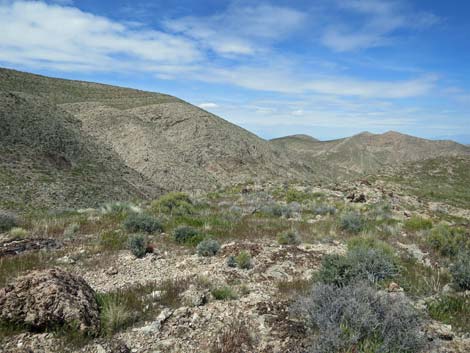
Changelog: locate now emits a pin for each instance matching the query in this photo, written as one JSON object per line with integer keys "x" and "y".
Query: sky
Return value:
{"x": 327, "y": 68}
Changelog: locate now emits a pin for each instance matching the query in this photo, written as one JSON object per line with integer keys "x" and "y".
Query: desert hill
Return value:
{"x": 45, "y": 159}
{"x": 366, "y": 152}
{"x": 174, "y": 144}
{"x": 138, "y": 143}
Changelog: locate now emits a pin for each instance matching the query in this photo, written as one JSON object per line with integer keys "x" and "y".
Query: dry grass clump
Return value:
{"x": 235, "y": 338}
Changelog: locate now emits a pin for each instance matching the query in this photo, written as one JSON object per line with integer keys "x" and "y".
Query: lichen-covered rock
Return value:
{"x": 50, "y": 298}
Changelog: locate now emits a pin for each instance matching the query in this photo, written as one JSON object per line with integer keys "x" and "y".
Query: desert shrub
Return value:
{"x": 224, "y": 293}
{"x": 7, "y": 221}
{"x": 335, "y": 269}
{"x": 171, "y": 290}
{"x": 289, "y": 238}
{"x": 235, "y": 338}
{"x": 357, "y": 318}
{"x": 277, "y": 210}
{"x": 324, "y": 210}
{"x": 361, "y": 263}
{"x": 231, "y": 262}
{"x": 138, "y": 245}
{"x": 208, "y": 247}
{"x": 141, "y": 222}
{"x": 174, "y": 203}
{"x": 460, "y": 270}
{"x": 112, "y": 241}
{"x": 453, "y": 310}
{"x": 71, "y": 230}
{"x": 417, "y": 223}
{"x": 370, "y": 242}
{"x": 448, "y": 241}
{"x": 187, "y": 235}
{"x": 380, "y": 211}
{"x": 121, "y": 308}
{"x": 17, "y": 232}
{"x": 352, "y": 222}
{"x": 243, "y": 260}
{"x": 115, "y": 315}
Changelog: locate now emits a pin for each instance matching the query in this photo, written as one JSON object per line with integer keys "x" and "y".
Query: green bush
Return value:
{"x": 243, "y": 260}
{"x": 453, "y": 310}
{"x": 174, "y": 203}
{"x": 187, "y": 235}
{"x": 141, "y": 222}
{"x": 7, "y": 221}
{"x": 208, "y": 247}
{"x": 460, "y": 270}
{"x": 357, "y": 318}
{"x": 18, "y": 233}
{"x": 138, "y": 245}
{"x": 352, "y": 222}
{"x": 417, "y": 223}
{"x": 289, "y": 238}
{"x": 448, "y": 241}
{"x": 370, "y": 242}
{"x": 71, "y": 230}
{"x": 324, "y": 210}
{"x": 224, "y": 293}
{"x": 112, "y": 241}
{"x": 231, "y": 262}
{"x": 365, "y": 261}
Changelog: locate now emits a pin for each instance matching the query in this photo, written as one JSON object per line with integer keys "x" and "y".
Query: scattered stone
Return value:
{"x": 50, "y": 298}
{"x": 394, "y": 287}
{"x": 195, "y": 297}
{"x": 157, "y": 324}
{"x": 440, "y": 330}
{"x": 112, "y": 271}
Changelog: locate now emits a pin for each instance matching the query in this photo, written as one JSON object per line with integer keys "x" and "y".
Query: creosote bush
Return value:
{"x": 357, "y": 318}
{"x": 460, "y": 270}
{"x": 138, "y": 245}
{"x": 7, "y": 221}
{"x": 289, "y": 238}
{"x": 208, "y": 247}
{"x": 141, "y": 222}
{"x": 352, "y": 222}
{"x": 174, "y": 203}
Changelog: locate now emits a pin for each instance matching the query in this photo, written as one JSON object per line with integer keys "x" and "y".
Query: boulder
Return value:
{"x": 48, "y": 299}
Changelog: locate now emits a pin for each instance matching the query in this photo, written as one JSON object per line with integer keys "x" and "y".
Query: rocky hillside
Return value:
{"x": 68, "y": 138}
{"x": 46, "y": 160}
{"x": 174, "y": 144}
{"x": 366, "y": 152}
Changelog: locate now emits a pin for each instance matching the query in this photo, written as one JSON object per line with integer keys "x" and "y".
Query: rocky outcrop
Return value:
{"x": 51, "y": 298}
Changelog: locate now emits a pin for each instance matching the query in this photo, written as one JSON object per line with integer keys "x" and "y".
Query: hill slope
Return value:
{"x": 46, "y": 161}
{"x": 172, "y": 143}
{"x": 366, "y": 153}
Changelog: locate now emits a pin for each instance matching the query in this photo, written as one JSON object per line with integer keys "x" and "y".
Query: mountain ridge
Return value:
{"x": 165, "y": 143}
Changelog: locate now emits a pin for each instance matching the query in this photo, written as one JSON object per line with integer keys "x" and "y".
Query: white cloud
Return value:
{"x": 64, "y": 37}
{"x": 239, "y": 30}
{"x": 208, "y": 105}
{"x": 41, "y": 35}
{"x": 379, "y": 20}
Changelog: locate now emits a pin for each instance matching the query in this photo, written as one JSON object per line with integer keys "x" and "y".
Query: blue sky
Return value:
{"x": 328, "y": 68}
